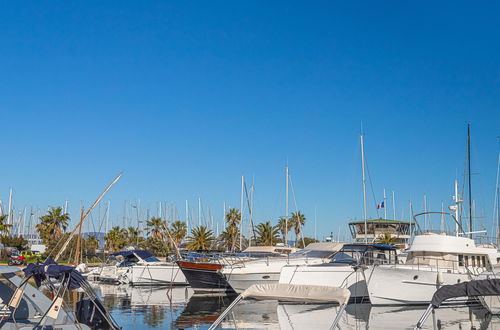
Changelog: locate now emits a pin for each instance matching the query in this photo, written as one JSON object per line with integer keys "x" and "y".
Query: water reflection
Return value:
{"x": 150, "y": 308}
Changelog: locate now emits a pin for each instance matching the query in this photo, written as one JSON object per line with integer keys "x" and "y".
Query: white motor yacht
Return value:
{"x": 346, "y": 268}
{"x": 141, "y": 267}
{"x": 433, "y": 260}
{"x": 267, "y": 270}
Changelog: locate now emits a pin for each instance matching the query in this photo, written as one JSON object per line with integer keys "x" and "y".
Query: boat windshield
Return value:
{"x": 364, "y": 255}
{"x": 311, "y": 254}
{"x": 350, "y": 255}
{"x": 152, "y": 259}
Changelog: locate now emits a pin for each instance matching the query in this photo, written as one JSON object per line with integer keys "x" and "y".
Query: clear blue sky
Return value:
{"x": 186, "y": 97}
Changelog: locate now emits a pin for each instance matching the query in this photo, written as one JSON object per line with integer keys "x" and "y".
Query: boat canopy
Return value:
{"x": 477, "y": 288}
{"x": 50, "y": 268}
{"x": 143, "y": 254}
{"x": 297, "y": 293}
{"x": 324, "y": 246}
{"x": 8, "y": 269}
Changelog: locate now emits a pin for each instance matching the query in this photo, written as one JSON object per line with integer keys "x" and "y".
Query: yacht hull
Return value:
{"x": 205, "y": 277}
{"x": 344, "y": 276}
{"x": 154, "y": 275}
{"x": 389, "y": 285}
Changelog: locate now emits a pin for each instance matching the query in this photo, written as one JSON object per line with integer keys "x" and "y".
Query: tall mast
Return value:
{"x": 385, "y": 206}
{"x": 187, "y": 217}
{"x": 107, "y": 216}
{"x": 393, "y": 206}
{"x": 241, "y": 210}
{"x": 496, "y": 204}
{"x": 199, "y": 211}
{"x": 425, "y": 211}
{"x": 9, "y": 217}
{"x": 469, "y": 178}
{"x": 456, "y": 207}
{"x": 286, "y": 205}
{"x": 364, "y": 185}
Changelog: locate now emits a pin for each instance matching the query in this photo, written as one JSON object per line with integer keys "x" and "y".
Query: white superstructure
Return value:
{"x": 267, "y": 270}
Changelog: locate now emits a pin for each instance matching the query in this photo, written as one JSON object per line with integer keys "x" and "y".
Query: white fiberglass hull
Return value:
{"x": 406, "y": 285}
{"x": 336, "y": 275}
{"x": 154, "y": 274}
{"x": 241, "y": 277}
{"x": 111, "y": 274}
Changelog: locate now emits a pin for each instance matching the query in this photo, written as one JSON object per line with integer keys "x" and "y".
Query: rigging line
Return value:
{"x": 494, "y": 223}
{"x": 296, "y": 207}
{"x": 250, "y": 210}
{"x": 371, "y": 185}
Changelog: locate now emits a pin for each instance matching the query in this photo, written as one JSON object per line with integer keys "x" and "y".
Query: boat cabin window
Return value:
{"x": 483, "y": 258}
{"x": 466, "y": 261}
{"x": 473, "y": 259}
{"x": 460, "y": 260}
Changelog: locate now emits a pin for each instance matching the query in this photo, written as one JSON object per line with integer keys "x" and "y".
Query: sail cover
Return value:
{"x": 143, "y": 254}
{"x": 297, "y": 293}
{"x": 466, "y": 289}
{"x": 50, "y": 268}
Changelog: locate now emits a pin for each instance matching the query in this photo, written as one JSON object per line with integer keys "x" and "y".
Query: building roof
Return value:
{"x": 380, "y": 221}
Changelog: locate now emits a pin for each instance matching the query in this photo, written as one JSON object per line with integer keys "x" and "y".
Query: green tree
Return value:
{"x": 156, "y": 228}
{"x": 91, "y": 245}
{"x": 4, "y": 227}
{"x": 298, "y": 220}
{"x": 387, "y": 238}
{"x": 284, "y": 228}
{"x": 201, "y": 238}
{"x": 116, "y": 238}
{"x": 178, "y": 231}
{"x": 227, "y": 239}
{"x": 18, "y": 242}
{"x": 267, "y": 234}
{"x": 52, "y": 225}
{"x": 233, "y": 219}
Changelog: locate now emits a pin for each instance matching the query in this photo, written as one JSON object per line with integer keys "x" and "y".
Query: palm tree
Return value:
{"x": 178, "y": 231}
{"x": 228, "y": 238}
{"x": 284, "y": 228}
{"x": 156, "y": 227}
{"x": 298, "y": 220}
{"x": 267, "y": 234}
{"x": 52, "y": 225}
{"x": 4, "y": 227}
{"x": 201, "y": 238}
{"x": 387, "y": 238}
{"x": 116, "y": 238}
{"x": 133, "y": 235}
{"x": 233, "y": 219}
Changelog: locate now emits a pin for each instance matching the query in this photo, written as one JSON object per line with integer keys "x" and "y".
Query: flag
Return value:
{"x": 380, "y": 206}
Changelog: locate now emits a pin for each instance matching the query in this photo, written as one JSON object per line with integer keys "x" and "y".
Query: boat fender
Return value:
{"x": 440, "y": 279}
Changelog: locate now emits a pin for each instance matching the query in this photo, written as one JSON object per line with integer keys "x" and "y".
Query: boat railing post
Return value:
{"x": 337, "y": 318}
{"x": 424, "y": 317}
{"x": 224, "y": 314}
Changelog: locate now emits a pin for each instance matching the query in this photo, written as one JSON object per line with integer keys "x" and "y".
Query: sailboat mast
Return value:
{"x": 187, "y": 217}
{"x": 469, "y": 179}
{"x": 241, "y": 210}
{"x": 364, "y": 185}
{"x": 286, "y": 206}
{"x": 385, "y": 206}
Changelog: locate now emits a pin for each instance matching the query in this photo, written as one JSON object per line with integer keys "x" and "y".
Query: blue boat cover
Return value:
{"x": 50, "y": 268}
{"x": 143, "y": 254}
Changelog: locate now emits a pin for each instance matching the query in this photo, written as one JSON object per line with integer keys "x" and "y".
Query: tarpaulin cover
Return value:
{"x": 466, "y": 289}
{"x": 50, "y": 268}
{"x": 297, "y": 293}
{"x": 143, "y": 254}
